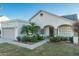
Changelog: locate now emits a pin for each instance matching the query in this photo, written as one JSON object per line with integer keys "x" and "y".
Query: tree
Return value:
{"x": 31, "y": 28}
{"x": 76, "y": 27}
{"x": 24, "y": 29}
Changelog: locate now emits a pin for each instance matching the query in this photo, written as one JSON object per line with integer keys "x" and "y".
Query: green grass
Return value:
{"x": 48, "y": 49}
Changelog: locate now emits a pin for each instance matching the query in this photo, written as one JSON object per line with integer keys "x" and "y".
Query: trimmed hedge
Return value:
{"x": 64, "y": 38}
{"x": 34, "y": 38}
{"x": 58, "y": 39}
{"x": 55, "y": 39}
{"x": 71, "y": 39}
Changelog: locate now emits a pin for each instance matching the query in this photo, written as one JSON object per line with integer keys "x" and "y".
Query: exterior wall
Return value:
{"x": 15, "y": 25}
{"x": 19, "y": 27}
{"x": 11, "y": 24}
{"x": 48, "y": 19}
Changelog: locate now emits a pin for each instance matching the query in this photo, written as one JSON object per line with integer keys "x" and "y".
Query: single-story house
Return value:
{"x": 50, "y": 24}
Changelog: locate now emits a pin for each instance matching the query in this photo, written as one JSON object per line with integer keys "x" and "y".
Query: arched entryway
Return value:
{"x": 48, "y": 30}
{"x": 65, "y": 30}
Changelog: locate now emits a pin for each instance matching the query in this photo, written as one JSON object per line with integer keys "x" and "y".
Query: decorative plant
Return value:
{"x": 32, "y": 28}
{"x": 25, "y": 29}
{"x": 55, "y": 39}
{"x": 30, "y": 33}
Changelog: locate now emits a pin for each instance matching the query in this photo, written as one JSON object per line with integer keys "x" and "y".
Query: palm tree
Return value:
{"x": 33, "y": 28}
{"x": 24, "y": 29}
{"x": 27, "y": 29}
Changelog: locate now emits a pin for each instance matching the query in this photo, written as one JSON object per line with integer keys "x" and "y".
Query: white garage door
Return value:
{"x": 8, "y": 33}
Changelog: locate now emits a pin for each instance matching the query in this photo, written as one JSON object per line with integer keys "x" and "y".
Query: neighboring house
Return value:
{"x": 50, "y": 24}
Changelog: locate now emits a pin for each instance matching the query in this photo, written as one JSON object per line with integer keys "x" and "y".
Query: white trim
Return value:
{"x": 16, "y": 33}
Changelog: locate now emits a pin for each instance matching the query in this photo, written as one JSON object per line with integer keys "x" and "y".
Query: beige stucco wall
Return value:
{"x": 48, "y": 19}
{"x": 11, "y": 24}
{"x": 53, "y": 20}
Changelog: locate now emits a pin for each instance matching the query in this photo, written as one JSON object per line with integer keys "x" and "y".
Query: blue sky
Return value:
{"x": 26, "y": 10}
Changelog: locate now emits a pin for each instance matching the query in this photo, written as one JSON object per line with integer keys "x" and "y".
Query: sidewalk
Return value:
{"x": 33, "y": 46}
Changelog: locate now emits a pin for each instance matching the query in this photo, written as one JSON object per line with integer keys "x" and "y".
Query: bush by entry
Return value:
{"x": 27, "y": 38}
{"x": 58, "y": 39}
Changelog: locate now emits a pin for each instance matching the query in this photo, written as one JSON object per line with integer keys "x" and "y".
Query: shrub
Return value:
{"x": 39, "y": 37}
{"x": 64, "y": 38}
{"x": 19, "y": 38}
{"x": 71, "y": 39}
{"x": 36, "y": 38}
{"x": 32, "y": 38}
{"x": 67, "y": 39}
{"x": 55, "y": 39}
{"x": 24, "y": 39}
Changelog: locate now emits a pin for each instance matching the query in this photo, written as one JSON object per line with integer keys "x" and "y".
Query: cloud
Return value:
{"x": 3, "y": 18}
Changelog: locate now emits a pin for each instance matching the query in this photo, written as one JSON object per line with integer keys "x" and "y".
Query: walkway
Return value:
{"x": 2, "y": 40}
{"x": 33, "y": 46}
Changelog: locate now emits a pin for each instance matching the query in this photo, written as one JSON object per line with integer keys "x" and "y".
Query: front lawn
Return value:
{"x": 48, "y": 49}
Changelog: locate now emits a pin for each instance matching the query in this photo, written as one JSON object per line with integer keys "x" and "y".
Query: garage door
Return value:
{"x": 8, "y": 33}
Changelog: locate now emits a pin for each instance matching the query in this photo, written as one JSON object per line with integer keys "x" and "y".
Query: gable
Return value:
{"x": 44, "y": 18}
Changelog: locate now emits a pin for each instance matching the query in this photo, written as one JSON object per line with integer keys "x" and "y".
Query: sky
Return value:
{"x": 25, "y": 11}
